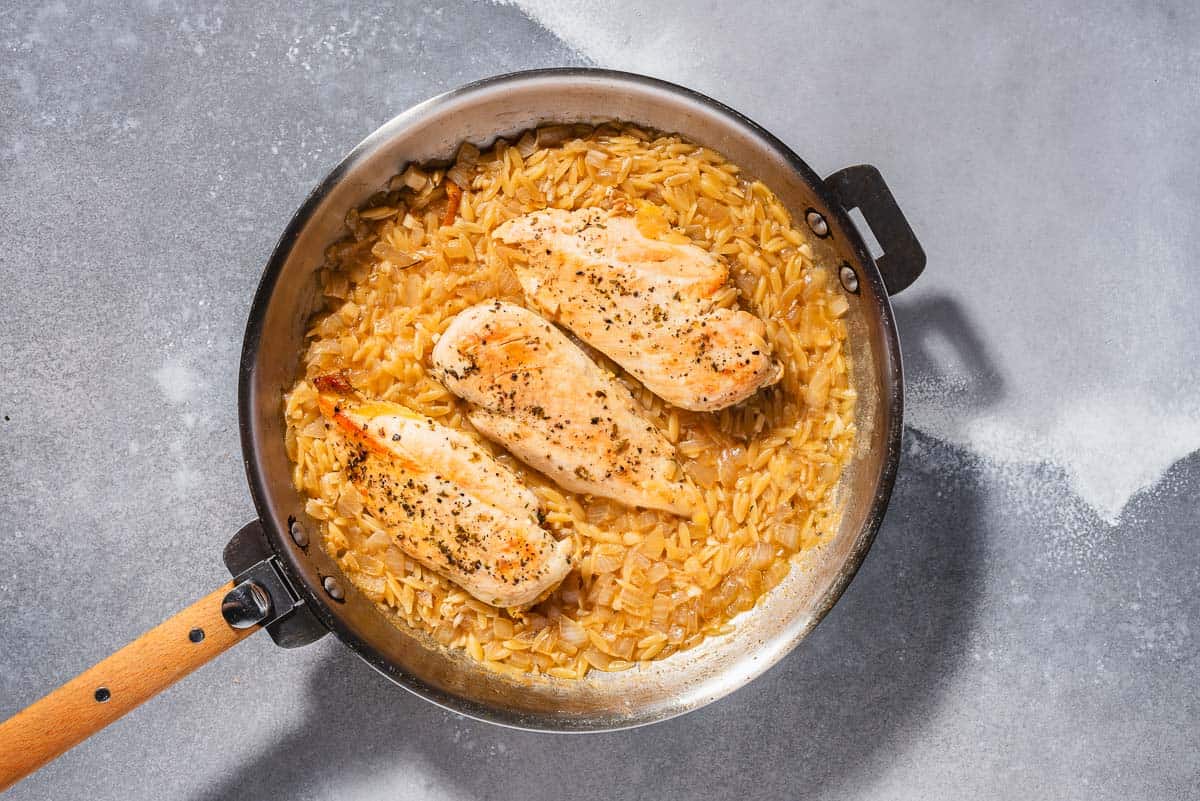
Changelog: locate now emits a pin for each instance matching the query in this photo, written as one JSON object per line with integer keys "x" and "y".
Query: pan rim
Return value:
{"x": 890, "y": 395}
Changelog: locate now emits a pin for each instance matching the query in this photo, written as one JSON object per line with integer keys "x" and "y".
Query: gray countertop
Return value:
{"x": 1028, "y": 623}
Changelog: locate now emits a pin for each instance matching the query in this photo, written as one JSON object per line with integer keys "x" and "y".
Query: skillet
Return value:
{"x": 283, "y": 581}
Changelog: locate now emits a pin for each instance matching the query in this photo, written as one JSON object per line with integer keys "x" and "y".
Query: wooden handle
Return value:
{"x": 105, "y": 692}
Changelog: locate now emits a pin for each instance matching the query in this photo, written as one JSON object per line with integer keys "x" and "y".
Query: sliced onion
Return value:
{"x": 729, "y": 464}
{"x": 502, "y": 628}
{"x": 817, "y": 391}
{"x": 571, "y": 632}
{"x": 461, "y": 175}
{"x": 349, "y": 503}
{"x": 606, "y": 562}
{"x": 703, "y": 473}
{"x": 657, "y": 572}
{"x": 787, "y": 535}
{"x": 527, "y": 144}
{"x": 378, "y": 541}
{"x": 315, "y": 429}
{"x": 467, "y": 154}
{"x": 597, "y": 659}
{"x": 393, "y": 557}
{"x": 761, "y": 555}
{"x": 623, "y": 647}
{"x": 598, "y": 511}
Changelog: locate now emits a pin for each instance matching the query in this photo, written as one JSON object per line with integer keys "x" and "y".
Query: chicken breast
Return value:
{"x": 446, "y": 502}
{"x": 647, "y": 304}
{"x": 536, "y": 393}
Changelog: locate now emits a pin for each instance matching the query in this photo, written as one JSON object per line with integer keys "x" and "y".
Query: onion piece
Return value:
{"x": 787, "y": 535}
{"x": 571, "y": 632}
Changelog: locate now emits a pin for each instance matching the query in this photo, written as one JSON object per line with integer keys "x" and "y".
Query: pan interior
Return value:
{"x": 503, "y": 108}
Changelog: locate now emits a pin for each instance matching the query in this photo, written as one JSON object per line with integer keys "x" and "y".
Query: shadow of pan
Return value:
{"x": 841, "y": 703}
{"x": 944, "y": 356}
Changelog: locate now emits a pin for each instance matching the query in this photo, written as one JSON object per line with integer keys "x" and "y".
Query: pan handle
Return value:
{"x": 139, "y": 671}
{"x": 862, "y": 187}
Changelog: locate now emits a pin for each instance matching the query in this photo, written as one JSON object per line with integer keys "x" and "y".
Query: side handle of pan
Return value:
{"x": 862, "y": 187}
{"x": 142, "y": 669}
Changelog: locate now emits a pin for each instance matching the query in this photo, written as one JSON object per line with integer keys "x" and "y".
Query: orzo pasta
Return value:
{"x": 646, "y": 584}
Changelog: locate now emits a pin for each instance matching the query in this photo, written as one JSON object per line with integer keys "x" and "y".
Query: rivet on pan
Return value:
{"x": 817, "y": 223}
{"x": 299, "y": 535}
{"x": 332, "y": 587}
{"x": 849, "y": 278}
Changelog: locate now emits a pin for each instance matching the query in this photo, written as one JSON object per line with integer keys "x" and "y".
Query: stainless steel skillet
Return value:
{"x": 286, "y": 584}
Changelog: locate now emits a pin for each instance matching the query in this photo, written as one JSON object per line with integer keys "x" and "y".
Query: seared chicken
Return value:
{"x": 536, "y": 393}
{"x": 647, "y": 304}
{"x": 447, "y": 503}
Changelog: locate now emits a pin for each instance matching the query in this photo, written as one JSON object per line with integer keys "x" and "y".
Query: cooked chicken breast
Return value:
{"x": 541, "y": 397}
{"x": 647, "y": 304}
{"x": 447, "y": 502}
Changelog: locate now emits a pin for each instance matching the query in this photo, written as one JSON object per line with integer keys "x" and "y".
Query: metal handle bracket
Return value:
{"x": 862, "y": 187}
{"x": 261, "y": 595}
{"x": 290, "y": 620}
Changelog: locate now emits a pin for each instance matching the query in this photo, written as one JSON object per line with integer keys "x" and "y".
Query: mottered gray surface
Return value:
{"x": 1023, "y": 628}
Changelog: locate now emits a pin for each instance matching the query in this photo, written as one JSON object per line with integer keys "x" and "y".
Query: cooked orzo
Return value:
{"x": 645, "y": 584}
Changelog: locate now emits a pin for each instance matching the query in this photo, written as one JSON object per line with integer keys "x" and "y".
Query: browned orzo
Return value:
{"x": 646, "y": 584}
